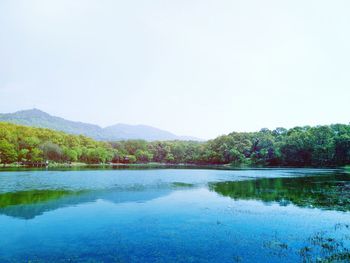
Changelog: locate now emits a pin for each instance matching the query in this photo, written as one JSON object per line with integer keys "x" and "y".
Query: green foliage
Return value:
{"x": 31, "y": 145}
{"x": 131, "y": 158}
{"x": 143, "y": 156}
{"x": 299, "y": 146}
{"x": 51, "y": 151}
{"x": 8, "y": 152}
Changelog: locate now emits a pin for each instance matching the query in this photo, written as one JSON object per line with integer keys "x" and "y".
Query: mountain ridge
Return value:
{"x": 117, "y": 132}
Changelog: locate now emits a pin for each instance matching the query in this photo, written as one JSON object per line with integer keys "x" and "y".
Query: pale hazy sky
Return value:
{"x": 200, "y": 68}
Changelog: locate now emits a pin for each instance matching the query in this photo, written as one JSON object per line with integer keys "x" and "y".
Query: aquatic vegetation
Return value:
{"x": 331, "y": 245}
{"x": 328, "y": 246}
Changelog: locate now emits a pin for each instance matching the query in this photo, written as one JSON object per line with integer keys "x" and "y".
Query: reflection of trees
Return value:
{"x": 32, "y": 197}
{"x": 29, "y": 204}
{"x": 327, "y": 192}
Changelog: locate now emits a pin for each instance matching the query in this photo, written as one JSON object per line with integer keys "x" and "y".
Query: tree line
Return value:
{"x": 306, "y": 146}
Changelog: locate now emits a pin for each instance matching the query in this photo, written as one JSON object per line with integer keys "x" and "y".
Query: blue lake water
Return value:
{"x": 174, "y": 215}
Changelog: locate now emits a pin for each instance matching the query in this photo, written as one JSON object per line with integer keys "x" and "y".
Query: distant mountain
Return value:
{"x": 148, "y": 133}
{"x": 38, "y": 118}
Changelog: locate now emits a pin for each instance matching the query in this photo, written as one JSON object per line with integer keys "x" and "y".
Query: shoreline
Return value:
{"x": 157, "y": 166}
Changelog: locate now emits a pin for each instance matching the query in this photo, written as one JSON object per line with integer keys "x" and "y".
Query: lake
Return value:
{"x": 175, "y": 215}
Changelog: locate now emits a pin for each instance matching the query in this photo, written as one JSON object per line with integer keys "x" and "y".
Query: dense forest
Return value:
{"x": 320, "y": 146}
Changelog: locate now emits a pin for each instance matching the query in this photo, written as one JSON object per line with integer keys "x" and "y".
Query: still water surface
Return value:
{"x": 165, "y": 215}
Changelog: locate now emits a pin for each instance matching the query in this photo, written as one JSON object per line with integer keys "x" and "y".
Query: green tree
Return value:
{"x": 8, "y": 152}
{"x": 70, "y": 155}
{"x": 143, "y": 156}
{"x": 52, "y": 151}
{"x": 169, "y": 158}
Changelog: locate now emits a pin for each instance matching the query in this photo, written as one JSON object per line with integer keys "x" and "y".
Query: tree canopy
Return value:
{"x": 299, "y": 146}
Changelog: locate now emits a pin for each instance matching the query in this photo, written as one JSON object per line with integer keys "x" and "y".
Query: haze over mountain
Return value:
{"x": 120, "y": 131}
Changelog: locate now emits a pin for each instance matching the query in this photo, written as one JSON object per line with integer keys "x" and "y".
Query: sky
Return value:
{"x": 193, "y": 67}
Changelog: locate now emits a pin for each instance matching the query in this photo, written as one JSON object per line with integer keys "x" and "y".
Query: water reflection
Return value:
{"x": 29, "y": 204}
{"x": 331, "y": 192}
{"x": 325, "y": 191}
{"x": 172, "y": 216}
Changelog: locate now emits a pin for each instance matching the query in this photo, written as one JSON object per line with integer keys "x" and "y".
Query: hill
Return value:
{"x": 117, "y": 132}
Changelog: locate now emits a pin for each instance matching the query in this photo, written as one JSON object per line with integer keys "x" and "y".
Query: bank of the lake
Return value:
{"x": 153, "y": 165}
